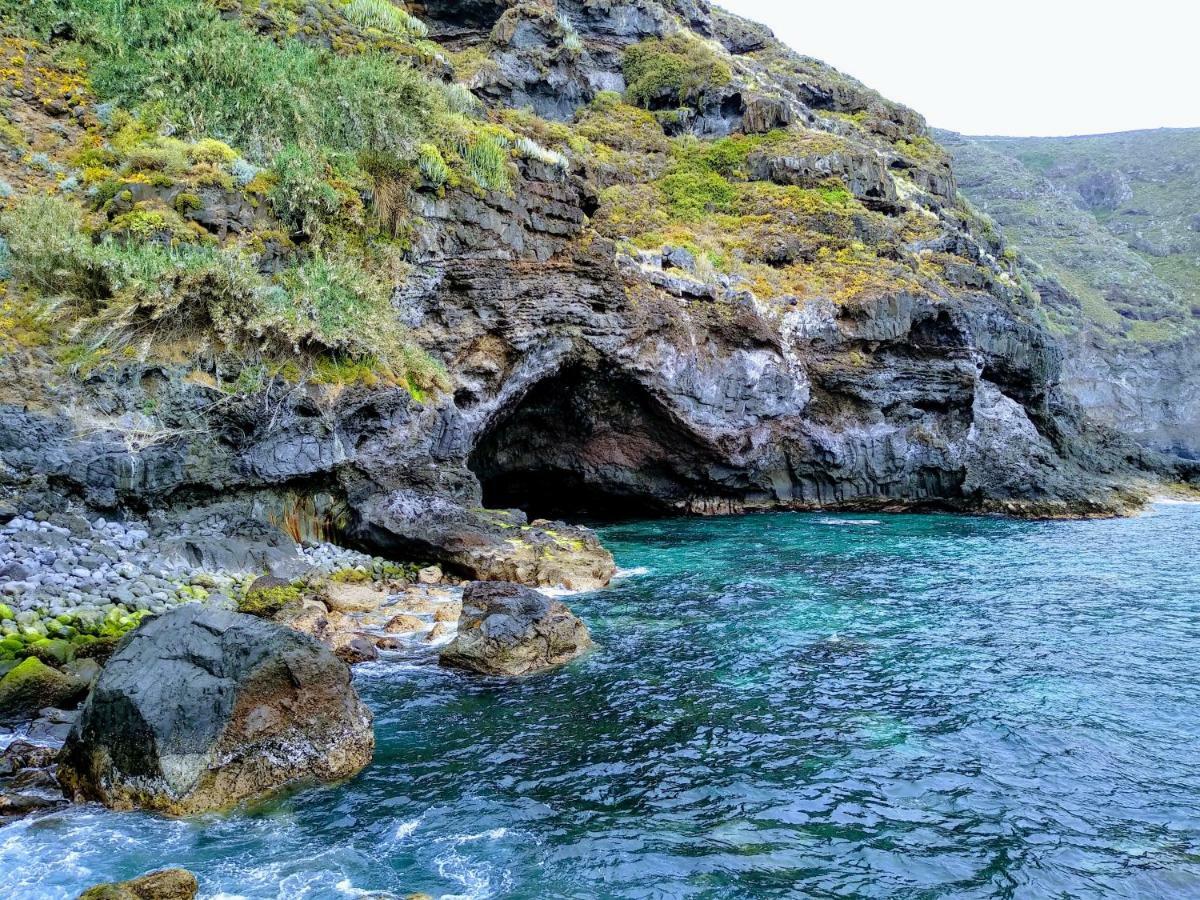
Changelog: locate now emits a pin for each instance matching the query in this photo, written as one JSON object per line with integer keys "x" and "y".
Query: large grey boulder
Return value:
{"x": 507, "y": 629}
{"x": 201, "y": 709}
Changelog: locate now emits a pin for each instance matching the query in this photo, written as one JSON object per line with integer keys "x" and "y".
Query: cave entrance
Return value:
{"x": 459, "y": 23}
{"x": 587, "y": 446}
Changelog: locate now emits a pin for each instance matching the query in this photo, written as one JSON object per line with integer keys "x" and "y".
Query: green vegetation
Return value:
{"x": 181, "y": 61}
{"x": 1108, "y": 217}
{"x": 327, "y": 140}
{"x": 673, "y": 71}
{"x": 267, "y": 602}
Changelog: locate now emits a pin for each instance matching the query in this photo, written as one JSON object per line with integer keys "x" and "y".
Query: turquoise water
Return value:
{"x": 782, "y": 705}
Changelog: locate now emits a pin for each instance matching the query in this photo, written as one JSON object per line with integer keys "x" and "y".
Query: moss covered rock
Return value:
{"x": 165, "y": 884}
{"x": 33, "y": 685}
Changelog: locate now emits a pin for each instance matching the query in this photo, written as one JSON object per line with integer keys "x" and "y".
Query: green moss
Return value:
{"x": 266, "y": 603}
{"x": 187, "y": 202}
{"x": 350, "y": 576}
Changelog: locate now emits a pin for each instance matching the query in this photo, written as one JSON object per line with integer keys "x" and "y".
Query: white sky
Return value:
{"x": 1015, "y": 67}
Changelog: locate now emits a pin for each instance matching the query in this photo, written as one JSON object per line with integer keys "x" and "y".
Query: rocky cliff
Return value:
{"x": 592, "y": 257}
{"x": 1109, "y": 226}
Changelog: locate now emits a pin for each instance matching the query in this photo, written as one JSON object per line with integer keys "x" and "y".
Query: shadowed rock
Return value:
{"x": 507, "y": 629}
{"x": 202, "y": 709}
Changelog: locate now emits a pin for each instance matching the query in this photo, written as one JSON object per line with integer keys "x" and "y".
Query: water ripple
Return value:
{"x": 781, "y": 705}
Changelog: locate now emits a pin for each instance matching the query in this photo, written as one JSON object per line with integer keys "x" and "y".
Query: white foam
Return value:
{"x": 634, "y": 572}
{"x": 851, "y": 522}
{"x": 404, "y": 829}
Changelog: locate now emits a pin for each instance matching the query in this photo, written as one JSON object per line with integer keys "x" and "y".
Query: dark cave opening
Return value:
{"x": 585, "y": 446}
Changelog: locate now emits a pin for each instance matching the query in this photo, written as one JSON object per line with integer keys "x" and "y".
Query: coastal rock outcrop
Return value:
{"x": 165, "y": 884}
{"x": 201, "y": 709}
{"x": 651, "y": 262}
{"x": 508, "y": 629}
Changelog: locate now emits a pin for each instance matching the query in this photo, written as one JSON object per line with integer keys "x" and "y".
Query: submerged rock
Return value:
{"x": 507, "y": 629}
{"x": 165, "y": 884}
{"x": 202, "y": 709}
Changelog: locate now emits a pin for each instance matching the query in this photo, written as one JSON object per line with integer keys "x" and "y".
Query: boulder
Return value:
{"x": 430, "y": 575}
{"x": 359, "y": 649}
{"x": 165, "y": 884}
{"x": 404, "y": 624}
{"x": 33, "y": 685}
{"x": 508, "y": 629}
{"x": 200, "y": 709}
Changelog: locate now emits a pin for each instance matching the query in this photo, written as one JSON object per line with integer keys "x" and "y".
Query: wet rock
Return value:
{"x": 508, "y": 629}
{"x": 33, "y": 685}
{"x": 20, "y": 755}
{"x": 165, "y": 884}
{"x": 349, "y": 598}
{"x": 430, "y": 575}
{"x": 19, "y": 804}
{"x": 202, "y": 709}
{"x": 404, "y": 624}
{"x": 492, "y": 545}
{"x": 359, "y": 649}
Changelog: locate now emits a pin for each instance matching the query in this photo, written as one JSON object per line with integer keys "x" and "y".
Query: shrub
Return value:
{"x": 486, "y": 160}
{"x": 48, "y": 250}
{"x": 692, "y": 194}
{"x": 672, "y": 71}
{"x": 211, "y": 151}
{"x": 386, "y": 17}
{"x": 432, "y": 166}
{"x": 330, "y": 305}
{"x": 302, "y": 196}
{"x": 174, "y": 295}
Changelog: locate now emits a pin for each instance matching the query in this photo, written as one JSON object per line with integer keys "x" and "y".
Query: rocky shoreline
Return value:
{"x": 77, "y": 587}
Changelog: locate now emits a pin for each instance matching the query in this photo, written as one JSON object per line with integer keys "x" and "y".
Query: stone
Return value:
{"x": 430, "y": 575}
{"x": 33, "y": 685}
{"x": 359, "y": 649}
{"x": 404, "y": 624}
{"x": 202, "y": 709}
{"x": 20, "y": 755}
{"x": 165, "y": 884}
{"x": 437, "y": 632}
{"x": 348, "y": 598}
{"x": 448, "y": 612}
{"x": 508, "y": 629}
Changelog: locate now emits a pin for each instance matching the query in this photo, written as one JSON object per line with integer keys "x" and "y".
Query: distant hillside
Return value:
{"x": 1112, "y": 226}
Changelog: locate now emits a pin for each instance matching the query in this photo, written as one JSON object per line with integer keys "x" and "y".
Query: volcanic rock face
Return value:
{"x": 507, "y": 629}
{"x": 865, "y": 343}
{"x": 200, "y": 710}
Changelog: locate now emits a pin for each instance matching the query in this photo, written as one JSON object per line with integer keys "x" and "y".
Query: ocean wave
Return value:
{"x": 851, "y": 522}
{"x": 477, "y": 879}
{"x": 634, "y": 572}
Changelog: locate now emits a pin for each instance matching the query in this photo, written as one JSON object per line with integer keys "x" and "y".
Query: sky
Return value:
{"x": 1020, "y": 67}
